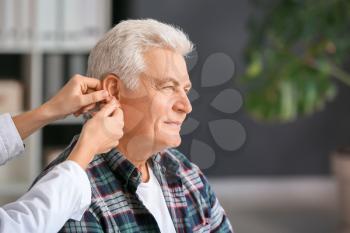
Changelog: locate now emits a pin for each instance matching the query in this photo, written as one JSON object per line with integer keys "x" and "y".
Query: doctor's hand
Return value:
{"x": 99, "y": 134}
{"x": 78, "y": 96}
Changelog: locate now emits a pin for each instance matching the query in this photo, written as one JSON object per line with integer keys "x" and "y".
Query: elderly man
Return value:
{"x": 143, "y": 185}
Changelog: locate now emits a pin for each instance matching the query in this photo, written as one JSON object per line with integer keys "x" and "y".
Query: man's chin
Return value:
{"x": 174, "y": 142}
{"x": 169, "y": 141}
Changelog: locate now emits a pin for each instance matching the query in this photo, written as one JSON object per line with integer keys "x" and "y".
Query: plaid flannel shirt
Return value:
{"x": 115, "y": 206}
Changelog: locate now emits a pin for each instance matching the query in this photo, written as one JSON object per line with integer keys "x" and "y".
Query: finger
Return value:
{"x": 88, "y": 108}
{"x": 89, "y": 90}
{"x": 117, "y": 111}
{"x": 94, "y": 97}
{"x": 91, "y": 83}
{"x": 108, "y": 109}
{"x": 104, "y": 102}
{"x": 118, "y": 103}
{"x": 108, "y": 99}
{"x": 77, "y": 113}
{"x": 93, "y": 113}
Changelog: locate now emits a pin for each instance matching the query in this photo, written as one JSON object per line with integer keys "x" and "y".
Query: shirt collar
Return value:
{"x": 130, "y": 175}
{"x": 123, "y": 169}
{"x": 167, "y": 160}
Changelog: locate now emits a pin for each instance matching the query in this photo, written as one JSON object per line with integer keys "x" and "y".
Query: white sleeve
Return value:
{"x": 11, "y": 144}
{"x": 61, "y": 194}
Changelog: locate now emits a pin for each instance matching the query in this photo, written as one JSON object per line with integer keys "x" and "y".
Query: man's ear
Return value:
{"x": 112, "y": 84}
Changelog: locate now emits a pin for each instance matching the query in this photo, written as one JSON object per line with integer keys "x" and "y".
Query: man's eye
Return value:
{"x": 169, "y": 87}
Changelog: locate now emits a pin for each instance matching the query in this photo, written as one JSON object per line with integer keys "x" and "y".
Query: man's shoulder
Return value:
{"x": 182, "y": 163}
{"x": 179, "y": 158}
{"x": 191, "y": 175}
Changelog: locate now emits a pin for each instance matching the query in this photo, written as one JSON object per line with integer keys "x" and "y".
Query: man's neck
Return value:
{"x": 138, "y": 155}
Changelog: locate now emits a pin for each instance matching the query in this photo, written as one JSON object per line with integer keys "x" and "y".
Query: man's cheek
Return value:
{"x": 132, "y": 117}
{"x": 161, "y": 107}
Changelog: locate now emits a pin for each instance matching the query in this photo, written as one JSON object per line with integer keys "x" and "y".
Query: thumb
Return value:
{"x": 118, "y": 112}
{"x": 108, "y": 109}
{"x": 93, "y": 97}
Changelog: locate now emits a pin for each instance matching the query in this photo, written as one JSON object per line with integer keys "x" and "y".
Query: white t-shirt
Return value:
{"x": 152, "y": 197}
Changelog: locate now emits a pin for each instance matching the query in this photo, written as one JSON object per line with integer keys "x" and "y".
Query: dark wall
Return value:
{"x": 299, "y": 148}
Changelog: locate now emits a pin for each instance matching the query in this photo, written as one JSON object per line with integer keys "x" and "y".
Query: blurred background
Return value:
{"x": 270, "y": 98}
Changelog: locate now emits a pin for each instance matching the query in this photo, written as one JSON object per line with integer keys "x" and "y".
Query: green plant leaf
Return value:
{"x": 293, "y": 52}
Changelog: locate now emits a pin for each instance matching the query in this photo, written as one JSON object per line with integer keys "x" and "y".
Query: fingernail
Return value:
{"x": 105, "y": 94}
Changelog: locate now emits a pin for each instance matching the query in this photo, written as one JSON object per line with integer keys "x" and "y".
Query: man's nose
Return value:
{"x": 183, "y": 104}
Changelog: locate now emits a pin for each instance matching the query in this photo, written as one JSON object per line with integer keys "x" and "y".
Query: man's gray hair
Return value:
{"x": 121, "y": 49}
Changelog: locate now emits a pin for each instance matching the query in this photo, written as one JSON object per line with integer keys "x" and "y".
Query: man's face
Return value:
{"x": 155, "y": 111}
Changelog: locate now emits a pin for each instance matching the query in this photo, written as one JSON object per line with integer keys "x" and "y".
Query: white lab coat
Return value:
{"x": 61, "y": 194}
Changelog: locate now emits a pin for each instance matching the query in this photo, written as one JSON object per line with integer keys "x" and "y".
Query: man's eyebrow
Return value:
{"x": 170, "y": 79}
